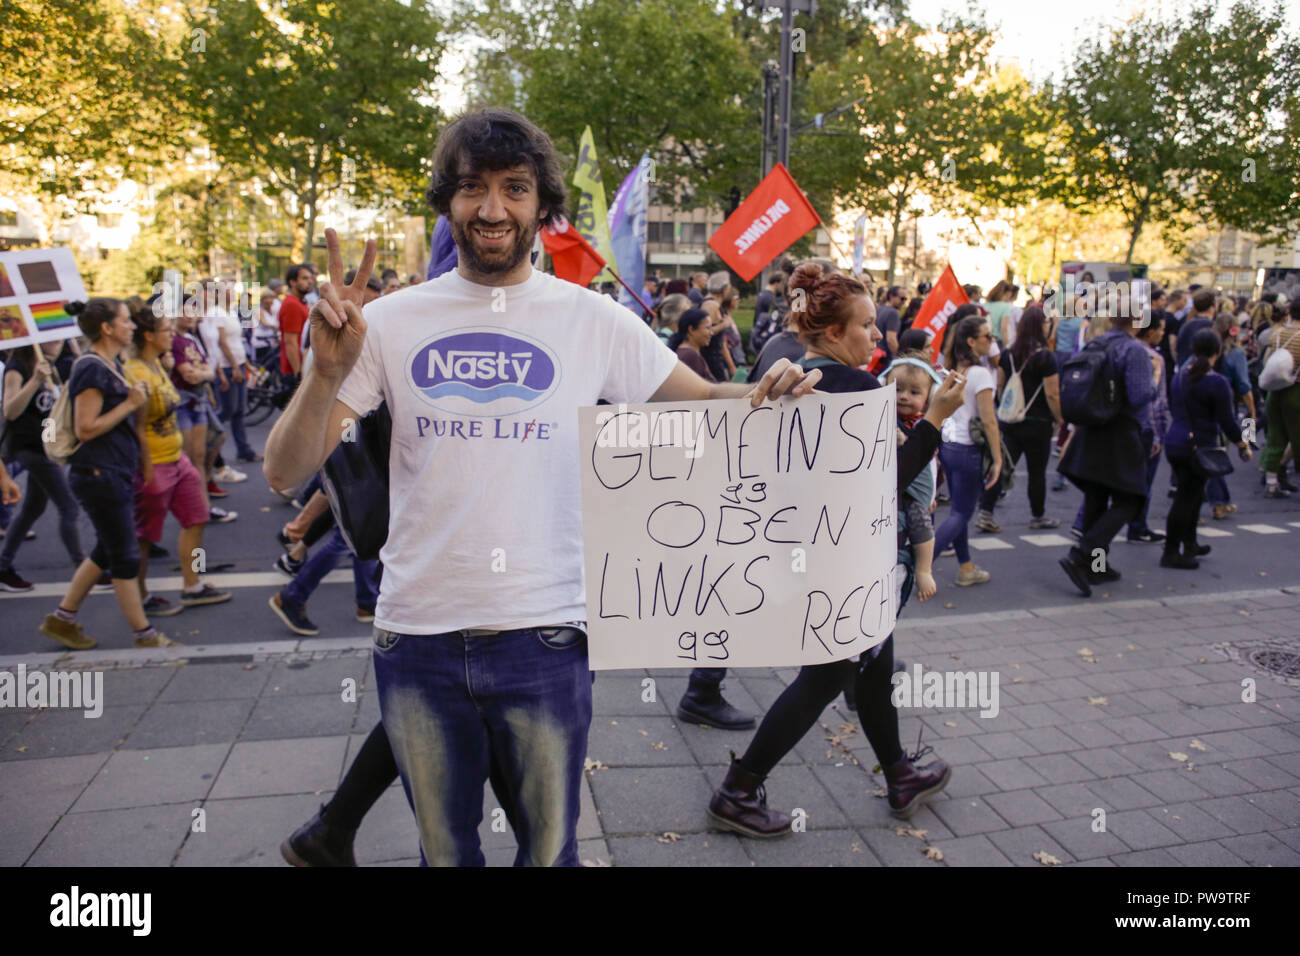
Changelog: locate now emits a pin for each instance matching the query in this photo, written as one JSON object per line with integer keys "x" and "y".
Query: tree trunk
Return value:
{"x": 1136, "y": 230}
{"x": 299, "y": 236}
{"x": 897, "y": 225}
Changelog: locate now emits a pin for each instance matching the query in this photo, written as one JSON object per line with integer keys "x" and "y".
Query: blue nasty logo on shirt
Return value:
{"x": 483, "y": 372}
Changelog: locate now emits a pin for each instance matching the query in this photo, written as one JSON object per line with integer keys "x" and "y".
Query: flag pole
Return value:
{"x": 649, "y": 310}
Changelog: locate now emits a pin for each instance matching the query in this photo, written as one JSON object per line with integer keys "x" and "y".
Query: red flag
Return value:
{"x": 775, "y": 215}
{"x": 943, "y": 299}
{"x": 573, "y": 257}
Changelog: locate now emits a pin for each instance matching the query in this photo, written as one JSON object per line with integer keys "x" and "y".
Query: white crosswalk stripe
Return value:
{"x": 1262, "y": 528}
{"x": 990, "y": 544}
{"x": 1046, "y": 540}
{"x": 1213, "y": 533}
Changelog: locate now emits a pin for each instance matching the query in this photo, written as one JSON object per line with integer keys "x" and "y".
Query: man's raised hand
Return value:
{"x": 337, "y": 327}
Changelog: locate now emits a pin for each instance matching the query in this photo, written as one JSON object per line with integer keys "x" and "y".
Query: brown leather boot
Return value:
{"x": 909, "y": 785}
{"x": 740, "y": 804}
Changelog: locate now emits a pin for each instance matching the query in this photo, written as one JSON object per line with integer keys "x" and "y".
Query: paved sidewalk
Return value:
{"x": 1134, "y": 708}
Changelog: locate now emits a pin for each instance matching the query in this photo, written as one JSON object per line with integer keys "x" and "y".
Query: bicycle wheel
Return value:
{"x": 259, "y": 406}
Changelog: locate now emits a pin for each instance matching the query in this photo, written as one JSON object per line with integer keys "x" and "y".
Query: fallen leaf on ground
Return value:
{"x": 1098, "y": 701}
{"x": 1177, "y": 756}
{"x": 854, "y": 848}
{"x": 949, "y": 723}
{"x": 659, "y": 746}
{"x": 904, "y": 831}
{"x": 879, "y": 792}
{"x": 1084, "y": 652}
{"x": 643, "y": 733}
{"x": 669, "y": 837}
{"x": 1017, "y": 680}
{"x": 933, "y": 853}
{"x": 1197, "y": 745}
{"x": 1243, "y": 613}
{"x": 950, "y": 605}
{"x": 1045, "y": 858}
{"x": 590, "y": 764}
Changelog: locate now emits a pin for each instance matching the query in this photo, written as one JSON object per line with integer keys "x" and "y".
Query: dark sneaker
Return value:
{"x": 209, "y": 595}
{"x": 1044, "y": 522}
{"x": 1276, "y": 491}
{"x": 155, "y": 551}
{"x": 293, "y": 615}
{"x": 365, "y": 614}
{"x": 317, "y": 843}
{"x": 1172, "y": 559}
{"x": 287, "y": 564}
{"x": 1146, "y": 536}
{"x": 11, "y": 580}
{"x": 1075, "y": 565}
{"x": 67, "y": 633}
{"x": 221, "y": 515}
{"x": 159, "y": 606}
{"x": 707, "y": 706}
{"x": 1201, "y": 550}
{"x": 984, "y": 521}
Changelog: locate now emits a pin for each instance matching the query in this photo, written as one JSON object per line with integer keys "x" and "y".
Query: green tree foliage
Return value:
{"x": 319, "y": 97}
{"x": 1159, "y": 117}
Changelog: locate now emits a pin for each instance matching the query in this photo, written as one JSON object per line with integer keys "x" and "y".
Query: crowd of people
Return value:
{"x": 152, "y": 394}
{"x": 483, "y": 676}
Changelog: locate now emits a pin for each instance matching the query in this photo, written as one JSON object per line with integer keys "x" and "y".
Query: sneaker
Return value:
{"x": 942, "y": 498}
{"x": 159, "y": 639}
{"x": 221, "y": 515}
{"x": 11, "y": 580}
{"x": 287, "y": 564}
{"x": 209, "y": 595}
{"x": 977, "y": 576}
{"x": 318, "y": 843}
{"x": 293, "y": 615}
{"x": 1276, "y": 491}
{"x": 252, "y": 459}
{"x": 1146, "y": 536}
{"x": 1077, "y": 532}
{"x": 1286, "y": 485}
{"x": 1075, "y": 565}
{"x": 365, "y": 614}
{"x": 215, "y": 492}
{"x": 1222, "y": 511}
{"x": 1045, "y": 522}
{"x": 67, "y": 633}
{"x": 159, "y": 606}
{"x": 1172, "y": 559}
{"x": 105, "y": 580}
{"x": 948, "y": 553}
{"x": 230, "y": 476}
{"x": 1058, "y": 483}
{"x": 984, "y": 521}
{"x": 155, "y": 551}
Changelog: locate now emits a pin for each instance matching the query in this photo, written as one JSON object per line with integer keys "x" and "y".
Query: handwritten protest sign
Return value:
{"x": 35, "y": 285}
{"x": 721, "y": 535}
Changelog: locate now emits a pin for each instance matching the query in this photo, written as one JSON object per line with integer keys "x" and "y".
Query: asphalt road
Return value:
{"x": 1258, "y": 547}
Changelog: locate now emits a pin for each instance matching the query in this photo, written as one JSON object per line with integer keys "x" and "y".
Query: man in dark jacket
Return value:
{"x": 1109, "y": 462}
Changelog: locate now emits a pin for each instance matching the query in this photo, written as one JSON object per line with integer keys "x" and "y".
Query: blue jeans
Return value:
{"x": 45, "y": 483}
{"x": 453, "y": 704}
{"x": 325, "y": 559}
{"x": 963, "y": 469}
{"x": 1216, "y": 492}
{"x": 233, "y": 401}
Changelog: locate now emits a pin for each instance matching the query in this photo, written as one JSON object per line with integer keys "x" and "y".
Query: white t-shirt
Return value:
{"x": 263, "y": 333}
{"x": 956, "y": 427}
{"x": 484, "y": 386}
{"x": 209, "y": 328}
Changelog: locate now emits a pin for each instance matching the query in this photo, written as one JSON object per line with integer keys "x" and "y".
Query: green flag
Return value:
{"x": 592, "y": 220}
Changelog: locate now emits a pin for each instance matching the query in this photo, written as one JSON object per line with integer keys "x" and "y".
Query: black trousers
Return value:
{"x": 1105, "y": 511}
{"x": 1180, "y": 526}
{"x": 1033, "y": 439}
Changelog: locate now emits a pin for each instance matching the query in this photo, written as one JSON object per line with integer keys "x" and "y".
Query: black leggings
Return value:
{"x": 797, "y": 709}
{"x": 1033, "y": 439}
{"x": 1180, "y": 526}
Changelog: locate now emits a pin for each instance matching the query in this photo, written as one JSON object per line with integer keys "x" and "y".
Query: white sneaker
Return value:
{"x": 229, "y": 475}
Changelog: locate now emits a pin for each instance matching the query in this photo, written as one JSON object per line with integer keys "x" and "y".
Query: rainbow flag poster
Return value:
{"x": 49, "y": 315}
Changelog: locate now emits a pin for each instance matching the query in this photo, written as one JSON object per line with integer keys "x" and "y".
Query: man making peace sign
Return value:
{"x": 480, "y": 644}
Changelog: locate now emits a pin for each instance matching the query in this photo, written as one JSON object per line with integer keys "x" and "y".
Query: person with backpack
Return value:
{"x": 1106, "y": 392}
{"x": 1028, "y": 413}
{"x": 29, "y": 395}
{"x": 99, "y": 409}
{"x": 1278, "y": 379}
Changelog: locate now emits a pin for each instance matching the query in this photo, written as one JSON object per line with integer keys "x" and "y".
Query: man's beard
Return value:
{"x": 497, "y": 261}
